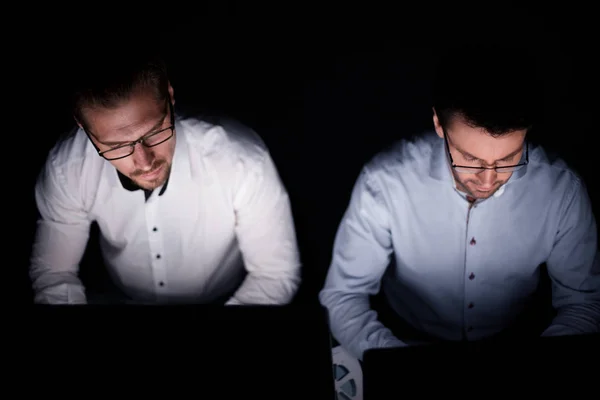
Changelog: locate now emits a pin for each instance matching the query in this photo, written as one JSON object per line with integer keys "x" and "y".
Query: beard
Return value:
{"x": 151, "y": 184}
{"x": 468, "y": 186}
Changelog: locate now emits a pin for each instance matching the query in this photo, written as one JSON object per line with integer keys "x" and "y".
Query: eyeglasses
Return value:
{"x": 150, "y": 140}
{"x": 477, "y": 170}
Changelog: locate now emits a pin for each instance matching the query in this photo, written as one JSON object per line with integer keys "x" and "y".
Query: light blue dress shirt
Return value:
{"x": 405, "y": 207}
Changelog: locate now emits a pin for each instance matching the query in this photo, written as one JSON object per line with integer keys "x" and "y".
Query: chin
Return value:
{"x": 483, "y": 195}
{"x": 150, "y": 185}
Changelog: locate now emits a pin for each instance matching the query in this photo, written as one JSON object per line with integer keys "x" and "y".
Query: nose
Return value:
{"x": 142, "y": 157}
{"x": 488, "y": 177}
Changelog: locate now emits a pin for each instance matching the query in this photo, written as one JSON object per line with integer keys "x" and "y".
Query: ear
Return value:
{"x": 78, "y": 123}
{"x": 437, "y": 125}
{"x": 171, "y": 93}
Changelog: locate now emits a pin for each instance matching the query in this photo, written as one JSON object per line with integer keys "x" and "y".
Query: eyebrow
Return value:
{"x": 155, "y": 127}
{"x": 466, "y": 153}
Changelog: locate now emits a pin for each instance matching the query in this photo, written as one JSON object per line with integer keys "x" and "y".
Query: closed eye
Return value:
{"x": 508, "y": 159}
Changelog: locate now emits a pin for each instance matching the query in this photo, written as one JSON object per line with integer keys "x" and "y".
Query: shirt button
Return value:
{"x": 469, "y": 329}
{"x": 158, "y": 256}
{"x": 472, "y": 242}
{"x": 472, "y": 276}
{"x": 154, "y": 229}
{"x": 471, "y": 305}
{"x": 161, "y": 284}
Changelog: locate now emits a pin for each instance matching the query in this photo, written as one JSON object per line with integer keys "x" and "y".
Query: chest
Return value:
{"x": 443, "y": 235}
{"x": 181, "y": 216}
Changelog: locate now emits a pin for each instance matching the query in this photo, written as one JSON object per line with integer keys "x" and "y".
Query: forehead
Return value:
{"x": 478, "y": 143}
{"x": 140, "y": 111}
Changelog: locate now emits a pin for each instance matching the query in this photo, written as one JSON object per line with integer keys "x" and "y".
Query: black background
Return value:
{"x": 326, "y": 87}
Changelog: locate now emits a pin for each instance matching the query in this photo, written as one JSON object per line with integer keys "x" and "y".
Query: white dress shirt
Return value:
{"x": 223, "y": 223}
{"x": 460, "y": 271}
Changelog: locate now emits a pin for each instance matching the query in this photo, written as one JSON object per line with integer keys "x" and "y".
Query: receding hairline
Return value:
{"x": 482, "y": 131}
{"x": 447, "y": 117}
{"x": 114, "y": 101}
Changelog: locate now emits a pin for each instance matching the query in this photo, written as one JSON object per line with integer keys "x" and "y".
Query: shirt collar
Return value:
{"x": 128, "y": 184}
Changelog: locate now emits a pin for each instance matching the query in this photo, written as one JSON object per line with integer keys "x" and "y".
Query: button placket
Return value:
{"x": 474, "y": 295}
{"x": 155, "y": 243}
{"x": 471, "y": 260}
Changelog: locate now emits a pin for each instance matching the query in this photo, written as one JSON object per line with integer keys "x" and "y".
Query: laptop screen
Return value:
{"x": 240, "y": 351}
{"x": 451, "y": 368}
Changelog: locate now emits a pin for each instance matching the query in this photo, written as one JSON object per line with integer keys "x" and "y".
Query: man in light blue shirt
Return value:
{"x": 453, "y": 225}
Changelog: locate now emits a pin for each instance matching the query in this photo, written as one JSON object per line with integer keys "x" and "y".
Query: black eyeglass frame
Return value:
{"x": 477, "y": 170}
{"x": 140, "y": 140}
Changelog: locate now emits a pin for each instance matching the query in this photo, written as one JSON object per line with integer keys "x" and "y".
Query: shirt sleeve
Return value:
{"x": 574, "y": 267}
{"x": 61, "y": 237}
{"x": 361, "y": 254}
{"x": 266, "y": 235}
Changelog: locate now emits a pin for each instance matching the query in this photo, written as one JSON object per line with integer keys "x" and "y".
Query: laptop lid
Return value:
{"x": 258, "y": 352}
{"x": 453, "y": 367}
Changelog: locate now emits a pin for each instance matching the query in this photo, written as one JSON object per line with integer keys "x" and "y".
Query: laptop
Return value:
{"x": 452, "y": 368}
{"x": 209, "y": 351}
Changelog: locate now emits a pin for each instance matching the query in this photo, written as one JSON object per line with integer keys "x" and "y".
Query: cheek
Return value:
{"x": 504, "y": 177}
{"x": 465, "y": 179}
{"x": 470, "y": 182}
{"x": 124, "y": 166}
{"x": 165, "y": 153}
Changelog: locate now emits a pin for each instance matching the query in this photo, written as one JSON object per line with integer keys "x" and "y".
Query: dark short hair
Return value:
{"x": 490, "y": 86}
{"x": 110, "y": 78}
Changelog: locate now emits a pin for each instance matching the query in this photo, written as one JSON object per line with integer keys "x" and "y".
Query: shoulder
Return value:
{"x": 71, "y": 157}
{"x": 552, "y": 175}
{"x": 224, "y": 139}
{"x": 71, "y": 173}
{"x": 71, "y": 147}
{"x": 550, "y": 169}
{"x": 410, "y": 156}
{"x": 404, "y": 164}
